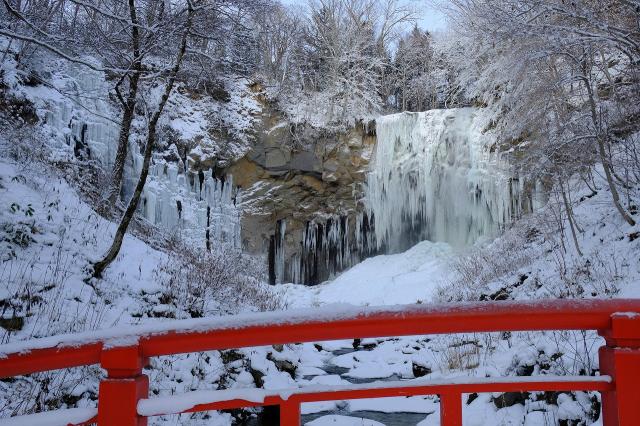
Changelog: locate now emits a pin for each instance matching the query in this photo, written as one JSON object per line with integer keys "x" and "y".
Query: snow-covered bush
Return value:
{"x": 482, "y": 265}
{"x": 224, "y": 280}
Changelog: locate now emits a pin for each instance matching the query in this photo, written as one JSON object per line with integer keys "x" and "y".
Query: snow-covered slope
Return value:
{"x": 48, "y": 236}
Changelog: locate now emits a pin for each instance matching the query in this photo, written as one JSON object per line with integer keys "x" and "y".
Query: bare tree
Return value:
{"x": 185, "y": 30}
{"x": 128, "y": 106}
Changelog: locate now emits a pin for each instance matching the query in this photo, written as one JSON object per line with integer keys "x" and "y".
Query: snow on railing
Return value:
{"x": 123, "y": 351}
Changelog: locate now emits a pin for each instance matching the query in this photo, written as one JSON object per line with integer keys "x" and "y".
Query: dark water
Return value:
{"x": 388, "y": 419}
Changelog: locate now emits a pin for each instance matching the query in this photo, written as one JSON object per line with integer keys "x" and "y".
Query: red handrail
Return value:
{"x": 123, "y": 352}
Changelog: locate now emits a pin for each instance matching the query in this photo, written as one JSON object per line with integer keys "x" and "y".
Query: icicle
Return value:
{"x": 281, "y": 228}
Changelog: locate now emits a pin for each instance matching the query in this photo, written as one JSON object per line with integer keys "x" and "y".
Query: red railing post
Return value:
{"x": 451, "y": 409}
{"x": 124, "y": 386}
{"x": 290, "y": 412}
{"x": 620, "y": 359}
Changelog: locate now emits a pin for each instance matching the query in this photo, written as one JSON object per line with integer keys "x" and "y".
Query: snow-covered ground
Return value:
{"x": 409, "y": 277}
{"x": 49, "y": 235}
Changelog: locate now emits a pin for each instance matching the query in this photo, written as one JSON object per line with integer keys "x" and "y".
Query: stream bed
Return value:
{"x": 383, "y": 416}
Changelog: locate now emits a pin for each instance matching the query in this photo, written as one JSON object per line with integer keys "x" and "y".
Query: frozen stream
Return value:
{"x": 366, "y": 409}
{"x": 342, "y": 366}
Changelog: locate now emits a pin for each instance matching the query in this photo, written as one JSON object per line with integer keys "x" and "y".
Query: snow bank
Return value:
{"x": 53, "y": 418}
{"x": 409, "y": 277}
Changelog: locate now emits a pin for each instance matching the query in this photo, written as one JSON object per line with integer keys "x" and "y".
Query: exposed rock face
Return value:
{"x": 295, "y": 179}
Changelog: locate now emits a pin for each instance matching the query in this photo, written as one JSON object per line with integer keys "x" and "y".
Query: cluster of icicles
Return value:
{"x": 434, "y": 177}
{"x": 193, "y": 203}
{"x": 328, "y": 247}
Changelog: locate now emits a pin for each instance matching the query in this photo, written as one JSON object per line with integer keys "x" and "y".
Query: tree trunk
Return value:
{"x": 602, "y": 152}
{"x": 99, "y": 267}
{"x": 115, "y": 183}
{"x": 570, "y": 217}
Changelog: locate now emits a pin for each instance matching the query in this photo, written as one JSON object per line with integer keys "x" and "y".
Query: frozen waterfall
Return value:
{"x": 434, "y": 177}
{"x": 193, "y": 203}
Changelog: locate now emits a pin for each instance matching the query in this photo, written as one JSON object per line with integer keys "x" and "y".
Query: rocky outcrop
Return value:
{"x": 296, "y": 178}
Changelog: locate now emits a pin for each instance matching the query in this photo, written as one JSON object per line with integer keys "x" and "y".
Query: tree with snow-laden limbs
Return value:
{"x": 566, "y": 70}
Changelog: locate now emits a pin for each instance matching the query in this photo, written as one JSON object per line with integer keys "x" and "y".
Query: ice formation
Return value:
{"x": 434, "y": 177}
{"x": 192, "y": 203}
{"x": 328, "y": 246}
{"x": 82, "y": 117}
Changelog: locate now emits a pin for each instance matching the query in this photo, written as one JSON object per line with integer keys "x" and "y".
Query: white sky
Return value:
{"x": 430, "y": 18}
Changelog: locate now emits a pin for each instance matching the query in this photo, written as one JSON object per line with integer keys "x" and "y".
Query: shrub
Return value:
{"x": 221, "y": 281}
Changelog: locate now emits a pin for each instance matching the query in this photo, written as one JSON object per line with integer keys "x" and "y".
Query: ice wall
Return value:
{"x": 177, "y": 199}
{"x": 82, "y": 116}
{"x": 434, "y": 177}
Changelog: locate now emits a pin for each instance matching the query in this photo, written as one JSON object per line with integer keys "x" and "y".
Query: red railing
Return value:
{"x": 123, "y": 394}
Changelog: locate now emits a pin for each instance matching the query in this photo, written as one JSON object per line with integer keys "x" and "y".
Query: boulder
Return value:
{"x": 420, "y": 369}
{"x": 509, "y": 399}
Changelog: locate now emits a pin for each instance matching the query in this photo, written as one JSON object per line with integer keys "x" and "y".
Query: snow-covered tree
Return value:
{"x": 562, "y": 74}
{"x": 414, "y": 85}
{"x": 280, "y": 32}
